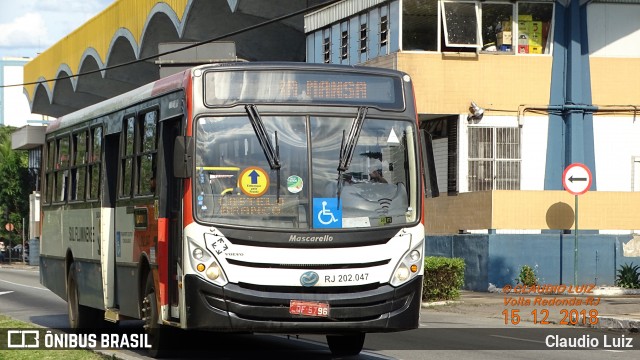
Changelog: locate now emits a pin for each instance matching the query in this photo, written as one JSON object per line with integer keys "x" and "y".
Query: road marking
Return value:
{"x": 5, "y": 292}
{"x": 32, "y": 287}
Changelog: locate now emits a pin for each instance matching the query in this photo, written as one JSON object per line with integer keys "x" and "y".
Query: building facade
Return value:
{"x": 14, "y": 106}
{"x": 509, "y": 94}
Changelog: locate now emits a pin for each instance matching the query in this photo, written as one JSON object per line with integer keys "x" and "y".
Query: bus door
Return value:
{"x": 107, "y": 221}
{"x": 169, "y": 221}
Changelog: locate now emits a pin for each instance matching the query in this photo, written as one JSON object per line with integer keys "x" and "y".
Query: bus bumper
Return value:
{"x": 233, "y": 308}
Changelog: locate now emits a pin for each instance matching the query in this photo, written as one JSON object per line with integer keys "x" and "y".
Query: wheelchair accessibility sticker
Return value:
{"x": 326, "y": 213}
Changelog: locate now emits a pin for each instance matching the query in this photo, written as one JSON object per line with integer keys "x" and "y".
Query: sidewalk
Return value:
{"x": 614, "y": 308}
{"x": 18, "y": 265}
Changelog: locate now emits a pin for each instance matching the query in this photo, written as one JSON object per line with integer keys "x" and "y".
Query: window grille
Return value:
{"x": 384, "y": 30}
{"x": 327, "y": 50}
{"x": 363, "y": 38}
{"x": 344, "y": 46}
{"x": 494, "y": 158}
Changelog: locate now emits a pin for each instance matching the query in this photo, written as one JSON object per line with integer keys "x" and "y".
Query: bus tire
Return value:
{"x": 346, "y": 345}
{"x": 159, "y": 336}
{"x": 80, "y": 316}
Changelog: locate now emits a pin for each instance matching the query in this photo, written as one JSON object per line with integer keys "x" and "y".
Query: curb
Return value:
{"x": 617, "y": 324}
{"x": 430, "y": 304}
{"x": 615, "y": 291}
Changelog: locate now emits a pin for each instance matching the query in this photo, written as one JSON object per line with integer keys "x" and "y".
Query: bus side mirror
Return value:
{"x": 183, "y": 157}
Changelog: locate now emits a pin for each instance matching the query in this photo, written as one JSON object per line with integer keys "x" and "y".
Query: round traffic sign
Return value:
{"x": 576, "y": 179}
{"x": 254, "y": 181}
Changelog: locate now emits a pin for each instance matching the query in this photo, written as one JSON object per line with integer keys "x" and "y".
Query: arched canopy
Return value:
{"x": 130, "y": 30}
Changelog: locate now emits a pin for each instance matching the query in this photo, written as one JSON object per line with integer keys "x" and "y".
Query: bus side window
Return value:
{"x": 146, "y": 155}
{"x": 78, "y": 168}
{"x": 50, "y": 174}
{"x": 95, "y": 158}
{"x": 62, "y": 169}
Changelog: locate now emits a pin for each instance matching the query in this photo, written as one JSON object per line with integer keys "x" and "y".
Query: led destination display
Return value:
{"x": 233, "y": 87}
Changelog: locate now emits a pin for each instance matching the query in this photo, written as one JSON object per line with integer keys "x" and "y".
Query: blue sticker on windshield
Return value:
{"x": 326, "y": 213}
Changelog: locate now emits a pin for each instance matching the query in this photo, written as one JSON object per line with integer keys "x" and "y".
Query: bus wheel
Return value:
{"x": 80, "y": 316}
{"x": 345, "y": 345}
{"x": 159, "y": 337}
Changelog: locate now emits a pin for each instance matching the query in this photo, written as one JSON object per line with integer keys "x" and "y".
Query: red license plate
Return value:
{"x": 308, "y": 308}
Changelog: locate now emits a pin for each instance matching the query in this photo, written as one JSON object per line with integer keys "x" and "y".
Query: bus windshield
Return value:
{"x": 235, "y": 184}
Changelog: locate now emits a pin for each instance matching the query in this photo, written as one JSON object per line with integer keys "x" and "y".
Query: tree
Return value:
{"x": 15, "y": 184}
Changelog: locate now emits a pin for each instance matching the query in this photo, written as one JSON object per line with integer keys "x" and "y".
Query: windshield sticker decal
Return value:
{"x": 254, "y": 181}
{"x": 294, "y": 184}
{"x": 393, "y": 138}
{"x": 356, "y": 222}
{"x": 327, "y": 213}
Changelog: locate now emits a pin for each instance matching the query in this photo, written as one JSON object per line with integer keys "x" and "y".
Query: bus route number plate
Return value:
{"x": 308, "y": 308}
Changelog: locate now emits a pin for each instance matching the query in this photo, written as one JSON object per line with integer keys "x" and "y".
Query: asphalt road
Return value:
{"x": 442, "y": 335}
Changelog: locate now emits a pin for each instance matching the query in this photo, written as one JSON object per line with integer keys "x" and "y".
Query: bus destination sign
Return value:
{"x": 267, "y": 205}
{"x": 340, "y": 88}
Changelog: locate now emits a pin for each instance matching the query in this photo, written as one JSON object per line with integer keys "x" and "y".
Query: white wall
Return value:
{"x": 614, "y": 30}
{"x": 616, "y": 142}
{"x": 15, "y": 106}
{"x": 534, "y": 136}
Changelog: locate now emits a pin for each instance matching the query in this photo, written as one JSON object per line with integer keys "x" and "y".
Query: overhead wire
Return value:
{"x": 152, "y": 57}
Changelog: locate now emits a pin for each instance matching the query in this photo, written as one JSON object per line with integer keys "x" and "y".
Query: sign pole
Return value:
{"x": 575, "y": 244}
{"x": 576, "y": 179}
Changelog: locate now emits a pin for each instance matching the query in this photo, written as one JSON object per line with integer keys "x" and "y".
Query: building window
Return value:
{"x": 534, "y": 28}
{"x": 363, "y": 38}
{"x": 326, "y": 51}
{"x": 497, "y": 27}
{"x": 420, "y": 25}
{"x": 384, "y": 30}
{"x": 494, "y": 158}
{"x": 460, "y": 24}
{"x": 344, "y": 46}
{"x": 517, "y": 27}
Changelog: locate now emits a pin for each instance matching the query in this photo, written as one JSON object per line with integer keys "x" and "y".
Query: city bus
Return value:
{"x": 240, "y": 197}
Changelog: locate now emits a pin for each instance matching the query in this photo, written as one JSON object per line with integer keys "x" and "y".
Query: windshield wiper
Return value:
{"x": 272, "y": 153}
{"x": 348, "y": 146}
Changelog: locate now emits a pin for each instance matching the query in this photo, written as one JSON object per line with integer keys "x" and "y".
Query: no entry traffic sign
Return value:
{"x": 576, "y": 179}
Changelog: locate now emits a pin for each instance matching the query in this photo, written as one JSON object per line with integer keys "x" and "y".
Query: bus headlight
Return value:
{"x": 197, "y": 253}
{"x": 213, "y": 271}
{"x": 402, "y": 273}
{"x": 410, "y": 266}
{"x": 415, "y": 255}
{"x": 205, "y": 264}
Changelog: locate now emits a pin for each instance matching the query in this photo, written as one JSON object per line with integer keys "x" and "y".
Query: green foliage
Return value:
{"x": 15, "y": 186}
{"x": 43, "y": 354}
{"x": 527, "y": 276}
{"x": 443, "y": 278}
{"x": 628, "y": 276}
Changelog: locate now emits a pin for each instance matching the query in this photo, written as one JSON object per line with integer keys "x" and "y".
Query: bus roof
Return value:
{"x": 179, "y": 80}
